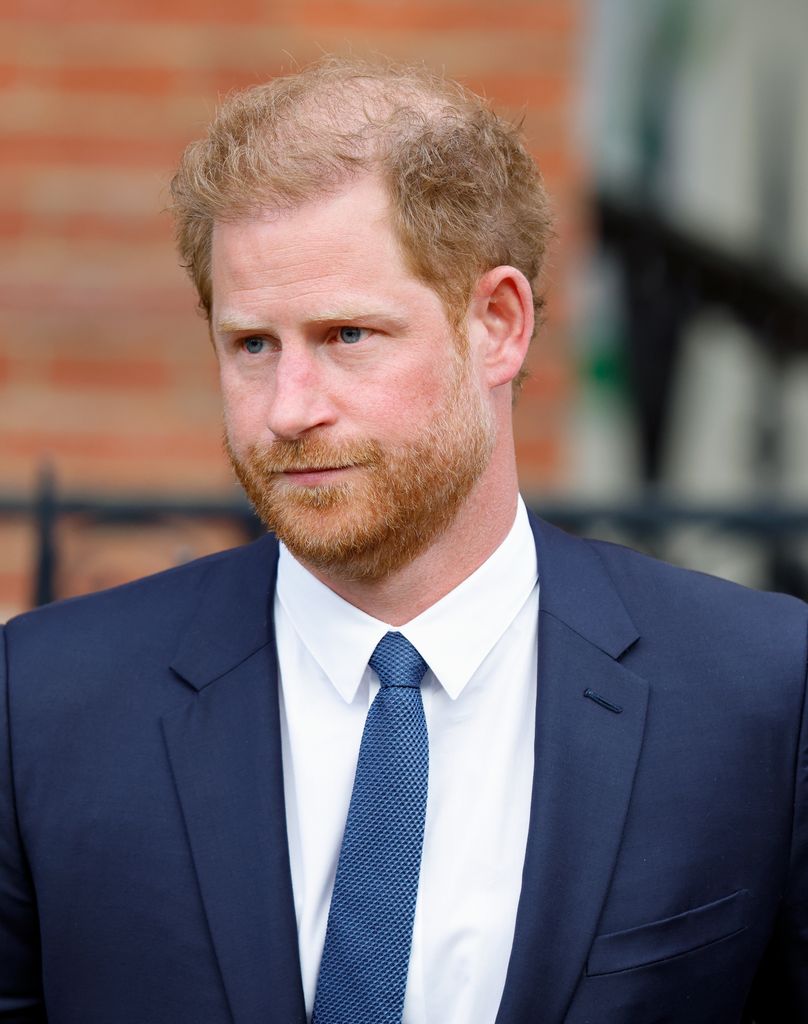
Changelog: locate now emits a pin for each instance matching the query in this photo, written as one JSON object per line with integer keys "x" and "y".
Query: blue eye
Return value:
{"x": 253, "y": 345}
{"x": 350, "y": 335}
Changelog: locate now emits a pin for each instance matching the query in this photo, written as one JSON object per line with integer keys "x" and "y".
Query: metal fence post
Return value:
{"x": 45, "y": 515}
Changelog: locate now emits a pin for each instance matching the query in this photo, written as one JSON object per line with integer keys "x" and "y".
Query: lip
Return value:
{"x": 312, "y": 477}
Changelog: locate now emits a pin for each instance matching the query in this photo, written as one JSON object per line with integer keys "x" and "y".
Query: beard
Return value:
{"x": 395, "y": 501}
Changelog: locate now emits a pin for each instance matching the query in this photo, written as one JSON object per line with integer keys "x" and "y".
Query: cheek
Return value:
{"x": 413, "y": 393}
{"x": 395, "y": 410}
{"x": 244, "y": 413}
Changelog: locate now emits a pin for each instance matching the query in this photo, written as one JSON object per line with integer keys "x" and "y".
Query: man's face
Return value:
{"x": 353, "y": 421}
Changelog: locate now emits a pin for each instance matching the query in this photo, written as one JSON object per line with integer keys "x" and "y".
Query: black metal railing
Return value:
{"x": 647, "y": 522}
{"x": 669, "y": 276}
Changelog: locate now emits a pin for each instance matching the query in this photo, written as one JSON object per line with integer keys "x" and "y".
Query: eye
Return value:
{"x": 350, "y": 335}
{"x": 253, "y": 345}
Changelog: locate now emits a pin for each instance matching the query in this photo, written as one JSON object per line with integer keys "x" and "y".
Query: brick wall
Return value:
{"x": 105, "y": 370}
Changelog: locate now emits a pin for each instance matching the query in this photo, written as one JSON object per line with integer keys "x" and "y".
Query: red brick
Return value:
{"x": 134, "y": 420}
{"x": 16, "y": 224}
{"x": 117, "y": 375}
{"x": 540, "y": 16}
{"x": 94, "y": 79}
{"x": 175, "y": 447}
{"x": 124, "y": 11}
{"x": 143, "y": 81}
{"x": 220, "y": 82}
{"x": 54, "y": 191}
{"x": 552, "y": 17}
{"x": 72, "y": 149}
{"x": 113, "y": 475}
{"x": 538, "y": 91}
{"x": 16, "y": 590}
{"x": 539, "y": 457}
{"x": 177, "y": 339}
{"x": 549, "y": 381}
{"x": 105, "y": 556}
{"x": 16, "y": 539}
{"x": 17, "y": 559}
{"x": 124, "y": 300}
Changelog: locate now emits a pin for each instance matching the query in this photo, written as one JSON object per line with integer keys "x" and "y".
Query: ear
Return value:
{"x": 501, "y": 323}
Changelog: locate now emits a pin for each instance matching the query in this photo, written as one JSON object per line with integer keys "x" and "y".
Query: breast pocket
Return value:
{"x": 670, "y": 937}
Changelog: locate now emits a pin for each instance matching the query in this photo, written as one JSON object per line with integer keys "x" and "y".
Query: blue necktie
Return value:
{"x": 363, "y": 972}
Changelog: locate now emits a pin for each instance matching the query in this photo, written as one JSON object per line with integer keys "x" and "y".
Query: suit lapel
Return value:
{"x": 225, "y": 753}
{"x": 586, "y": 755}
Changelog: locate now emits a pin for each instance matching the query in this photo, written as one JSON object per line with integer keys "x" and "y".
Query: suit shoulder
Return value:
{"x": 166, "y": 595}
{"x": 635, "y": 569}
{"x": 709, "y": 611}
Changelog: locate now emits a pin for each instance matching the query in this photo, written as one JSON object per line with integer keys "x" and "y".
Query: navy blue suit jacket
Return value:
{"x": 144, "y": 869}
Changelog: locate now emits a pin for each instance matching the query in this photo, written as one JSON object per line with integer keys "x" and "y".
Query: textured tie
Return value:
{"x": 363, "y": 972}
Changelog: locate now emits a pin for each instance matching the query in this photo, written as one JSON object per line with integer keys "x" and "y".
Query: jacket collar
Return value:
{"x": 577, "y": 589}
{"x": 232, "y": 618}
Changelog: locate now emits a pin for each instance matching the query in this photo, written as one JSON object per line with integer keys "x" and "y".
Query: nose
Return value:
{"x": 299, "y": 400}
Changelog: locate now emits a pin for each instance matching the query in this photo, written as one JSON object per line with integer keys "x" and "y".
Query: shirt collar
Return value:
{"x": 453, "y": 636}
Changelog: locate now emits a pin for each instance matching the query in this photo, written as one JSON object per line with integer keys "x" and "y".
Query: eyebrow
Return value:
{"x": 234, "y": 326}
{"x": 228, "y": 325}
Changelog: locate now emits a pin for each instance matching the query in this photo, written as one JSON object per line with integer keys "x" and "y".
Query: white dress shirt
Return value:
{"x": 480, "y": 642}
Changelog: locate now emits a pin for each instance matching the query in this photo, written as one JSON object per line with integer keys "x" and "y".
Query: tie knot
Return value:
{"x": 396, "y": 662}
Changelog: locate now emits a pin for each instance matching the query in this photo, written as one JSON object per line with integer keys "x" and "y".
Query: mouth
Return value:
{"x": 311, "y": 476}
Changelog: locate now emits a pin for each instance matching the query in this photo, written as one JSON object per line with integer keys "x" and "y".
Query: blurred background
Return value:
{"x": 668, "y": 402}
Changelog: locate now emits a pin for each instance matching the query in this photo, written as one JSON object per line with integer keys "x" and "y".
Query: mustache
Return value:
{"x": 312, "y": 453}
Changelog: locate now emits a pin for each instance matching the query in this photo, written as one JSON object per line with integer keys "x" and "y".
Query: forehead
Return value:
{"x": 329, "y": 233}
{"x": 339, "y": 251}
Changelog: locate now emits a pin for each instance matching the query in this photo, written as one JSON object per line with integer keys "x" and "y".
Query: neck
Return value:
{"x": 476, "y": 532}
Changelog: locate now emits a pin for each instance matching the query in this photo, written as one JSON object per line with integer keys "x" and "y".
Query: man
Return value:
{"x": 428, "y": 758}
